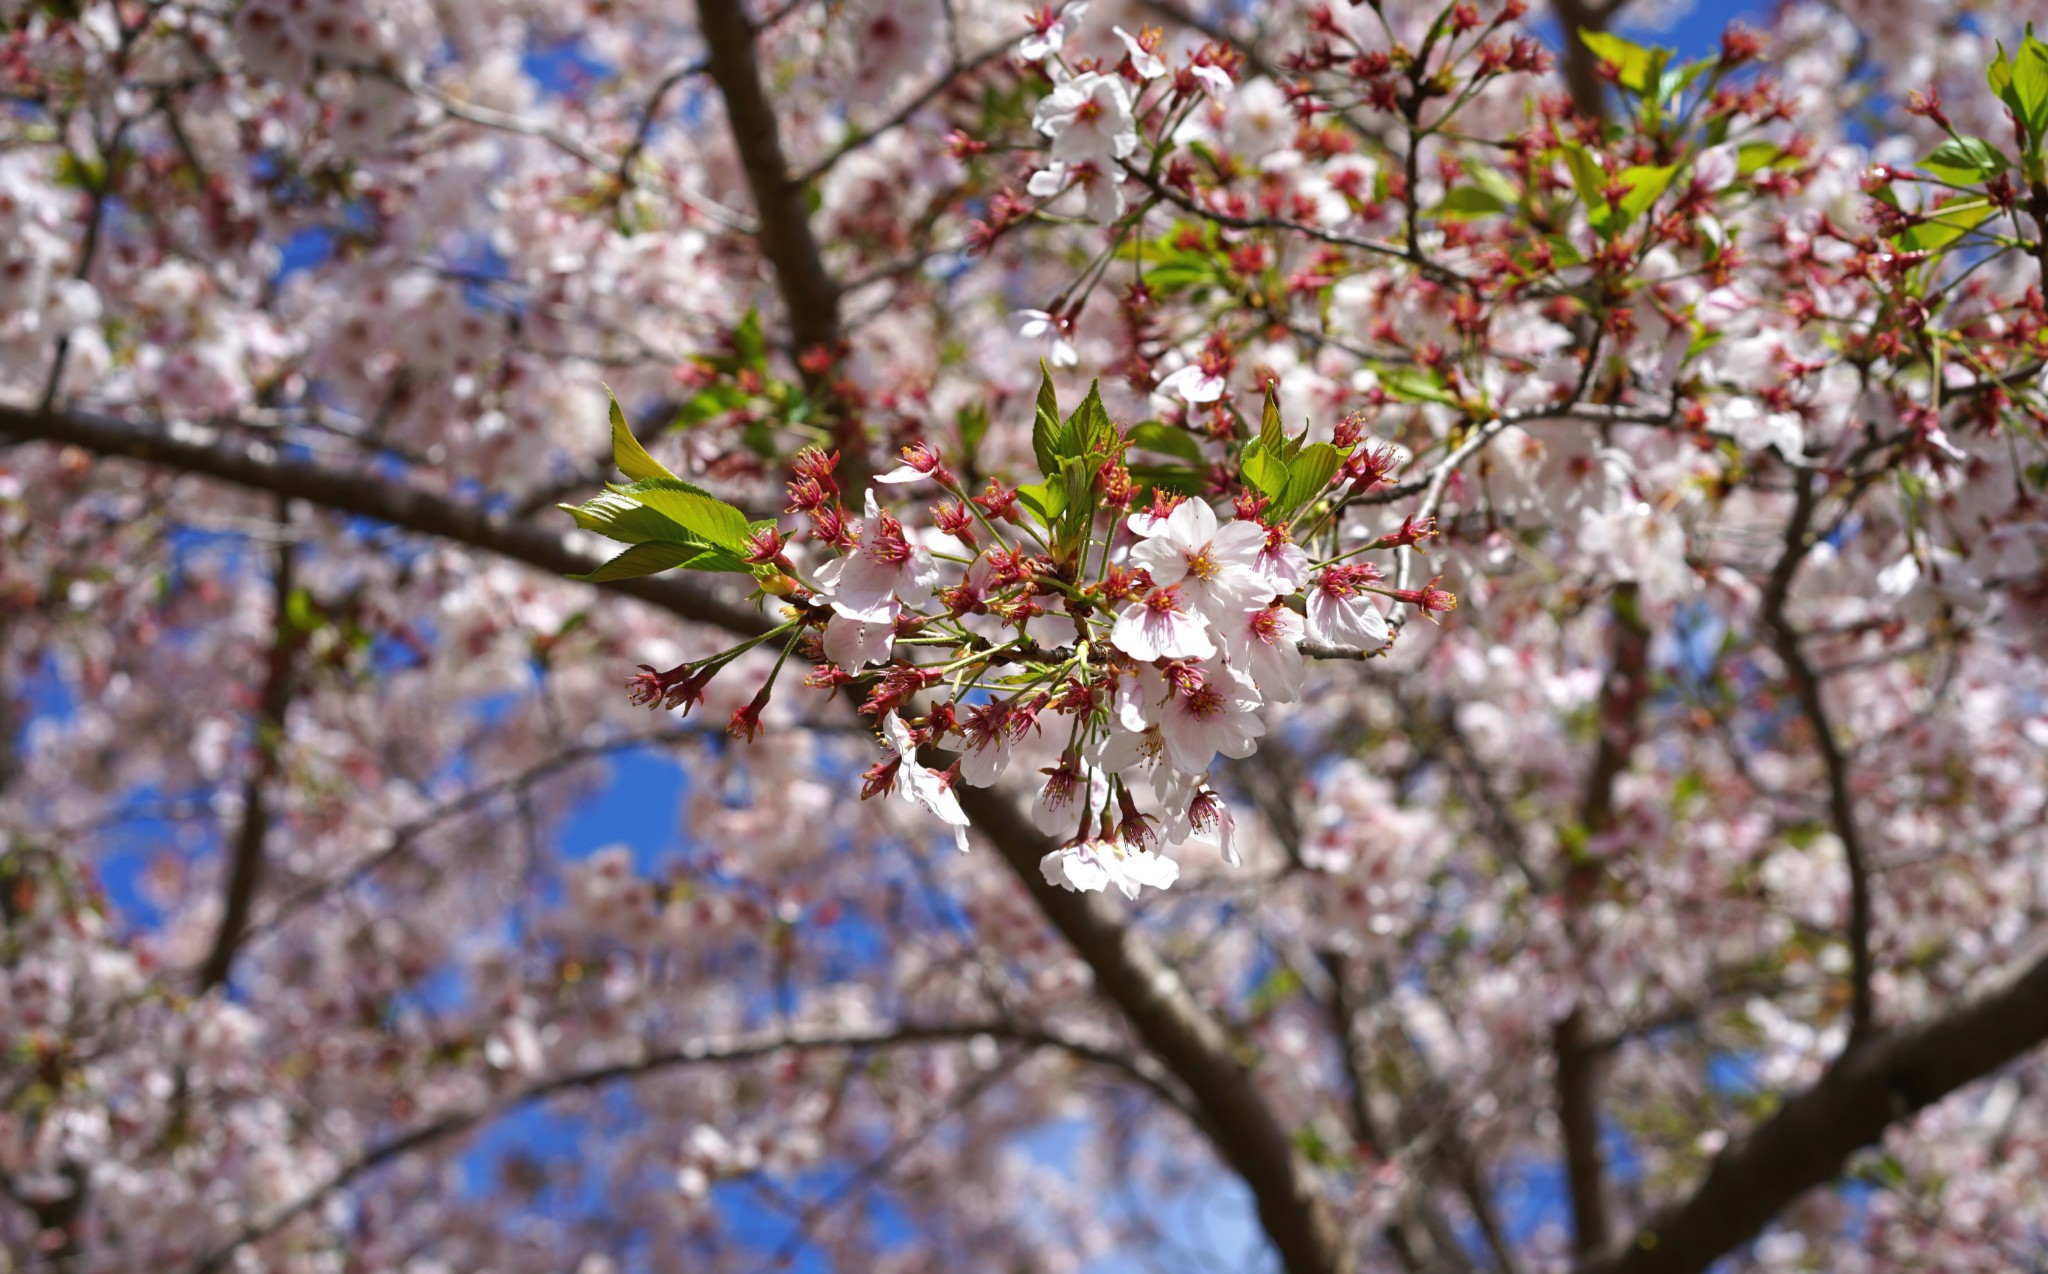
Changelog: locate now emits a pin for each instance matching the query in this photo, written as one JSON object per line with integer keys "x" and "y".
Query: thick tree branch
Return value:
{"x": 245, "y": 869}
{"x": 258, "y": 466}
{"x": 810, "y": 293}
{"x": 1577, "y": 1055}
{"x": 1883, "y": 1081}
{"x": 1187, "y": 1039}
{"x": 1581, "y": 65}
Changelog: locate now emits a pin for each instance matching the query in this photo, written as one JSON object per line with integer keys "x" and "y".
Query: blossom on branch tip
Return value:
{"x": 1214, "y": 567}
{"x": 1050, "y": 28}
{"x": 1159, "y": 627}
{"x": 1042, "y": 325}
{"x": 1090, "y": 866}
{"x": 1341, "y": 612}
{"x": 920, "y": 784}
{"x": 1215, "y": 713}
{"x": 1089, "y": 120}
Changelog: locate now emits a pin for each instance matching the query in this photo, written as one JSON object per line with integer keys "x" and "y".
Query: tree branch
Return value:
{"x": 1186, "y": 1039}
{"x": 1785, "y": 639}
{"x": 245, "y": 871}
{"x": 1581, "y": 64}
{"x": 811, "y": 295}
{"x": 258, "y": 466}
{"x": 1886, "y": 1080}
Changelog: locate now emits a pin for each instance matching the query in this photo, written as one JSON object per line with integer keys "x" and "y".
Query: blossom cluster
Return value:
{"x": 1126, "y": 623}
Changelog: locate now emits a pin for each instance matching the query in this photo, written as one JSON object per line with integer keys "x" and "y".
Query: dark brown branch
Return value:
{"x": 1578, "y": 1118}
{"x": 1581, "y": 65}
{"x": 1577, "y": 1055}
{"x": 810, "y": 293}
{"x": 1186, "y": 1039}
{"x": 245, "y": 869}
{"x": 257, "y": 466}
{"x": 1886, "y": 1080}
{"x": 1786, "y": 640}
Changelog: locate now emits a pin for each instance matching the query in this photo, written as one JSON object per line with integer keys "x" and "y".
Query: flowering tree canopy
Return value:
{"x": 1422, "y": 624}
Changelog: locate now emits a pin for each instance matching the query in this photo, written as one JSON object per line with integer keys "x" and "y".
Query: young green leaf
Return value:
{"x": 694, "y": 509}
{"x": 1467, "y": 202}
{"x": 1152, "y": 435}
{"x": 972, "y": 421}
{"x": 1412, "y": 384}
{"x": 1964, "y": 161}
{"x": 627, "y": 453}
{"x": 1044, "y": 500}
{"x": 1264, "y": 468}
{"x": 1048, "y": 434}
{"x": 1272, "y": 436}
{"x": 2030, "y": 87}
{"x": 1645, "y": 186}
{"x": 1589, "y": 179}
{"x": 622, "y": 518}
{"x": 1947, "y": 226}
{"x": 1088, "y": 431}
{"x": 1636, "y": 64}
{"x": 647, "y": 559}
{"x": 749, "y": 344}
{"x": 1307, "y": 475}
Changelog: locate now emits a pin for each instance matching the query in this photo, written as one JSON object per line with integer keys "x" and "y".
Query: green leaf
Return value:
{"x": 1412, "y": 384}
{"x": 627, "y": 453}
{"x": 694, "y": 509}
{"x": 1173, "y": 477}
{"x": 1947, "y": 226}
{"x": 1272, "y": 437}
{"x": 1752, "y": 156}
{"x": 1308, "y": 474}
{"x": 1151, "y": 435}
{"x": 1048, "y": 435}
{"x": 1645, "y": 186}
{"x": 972, "y": 421}
{"x": 1174, "y": 277}
{"x": 2028, "y": 92}
{"x": 709, "y": 403}
{"x": 1495, "y": 182}
{"x": 1264, "y": 469}
{"x": 1088, "y": 430}
{"x": 1964, "y": 161}
{"x": 748, "y": 343}
{"x": 1589, "y": 179}
{"x": 620, "y": 517}
{"x": 1467, "y": 202}
{"x": 645, "y": 559}
{"x": 1077, "y": 476}
{"x": 1677, "y": 79}
{"x": 1044, "y": 500}
{"x": 1638, "y": 65}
